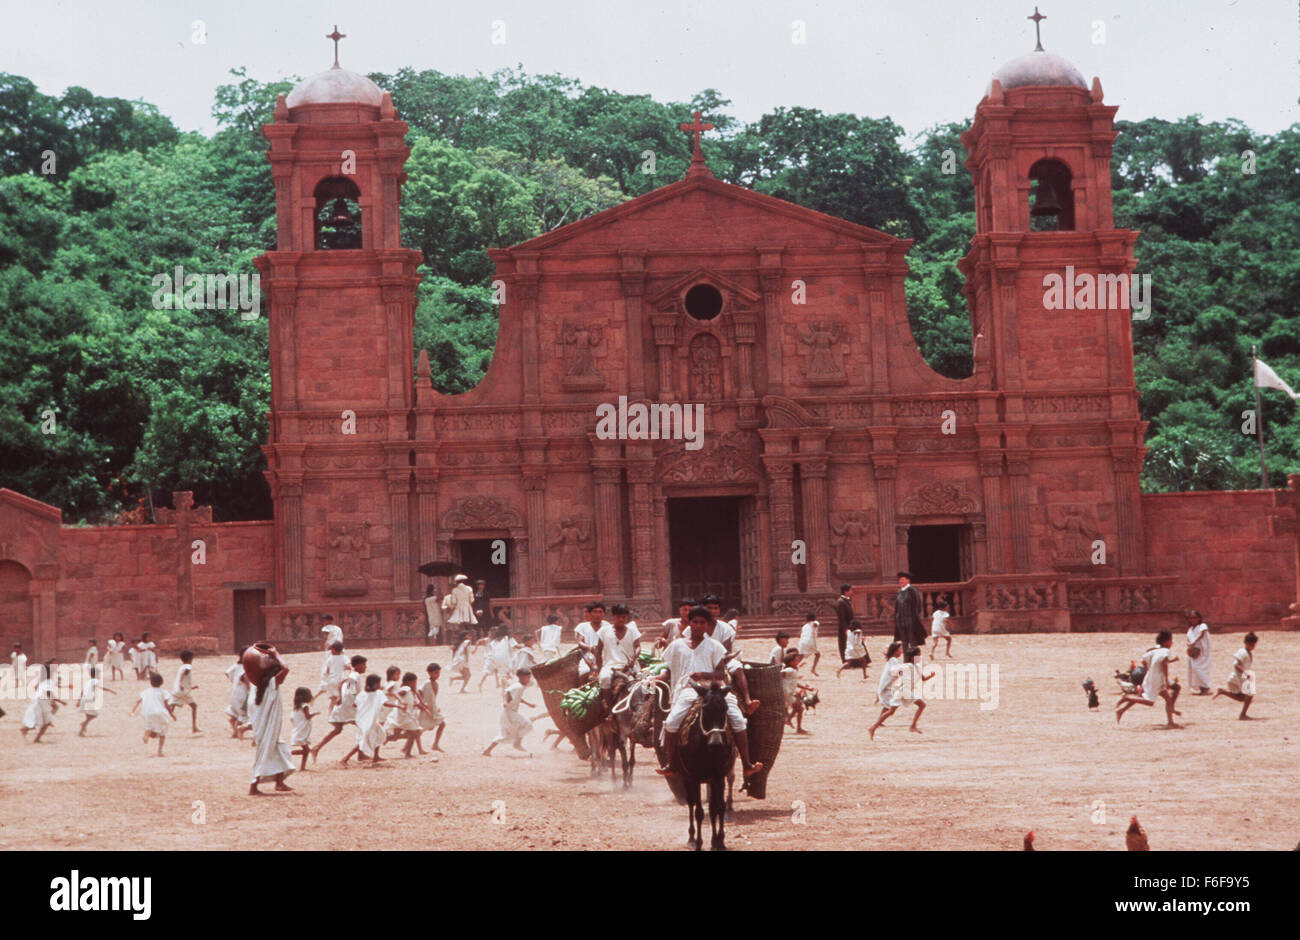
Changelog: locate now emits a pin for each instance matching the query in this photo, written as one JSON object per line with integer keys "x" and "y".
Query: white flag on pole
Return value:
{"x": 1267, "y": 378}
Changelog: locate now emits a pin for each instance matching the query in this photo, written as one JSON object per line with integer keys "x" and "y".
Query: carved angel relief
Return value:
{"x": 571, "y": 538}
{"x": 824, "y": 364}
{"x": 581, "y": 344}
{"x": 1077, "y": 531}
{"x": 347, "y": 544}
{"x": 852, "y": 554}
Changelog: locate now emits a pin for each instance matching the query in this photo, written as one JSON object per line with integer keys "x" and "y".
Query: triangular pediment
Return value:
{"x": 699, "y": 208}
{"x": 670, "y": 295}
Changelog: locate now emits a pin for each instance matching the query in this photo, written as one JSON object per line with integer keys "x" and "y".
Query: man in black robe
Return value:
{"x": 844, "y": 611}
{"x": 483, "y": 609}
{"x": 908, "y": 626}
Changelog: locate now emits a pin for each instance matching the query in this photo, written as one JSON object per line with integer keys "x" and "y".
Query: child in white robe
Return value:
{"x": 939, "y": 629}
{"x": 40, "y": 713}
{"x": 237, "y": 710}
{"x": 92, "y": 654}
{"x": 113, "y": 658}
{"x": 345, "y": 712}
{"x": 855, "y": 650}
{"x": 183, "y": 689}
{"x": 430, "y": 717}
{"x": 1156, "y": 683}
{"x": 514, "y": 726}
{"x": 777, "y": 656}
{"x": 1198, "y": 653}
{"x": 272, "y": 760}
{"x": 18, "y": 665}
{"x": 369, "y": 721}
{"x": 1241, "y": 682}
{"x": 887, "y": 691}
{"x": 91, "y": 698}
{"x": 403, "y": 721}
{"x": 147, "y": 657}
{"x": 496, "y": 659}
{"x": 808, "y": 640}
{"x": 156, "y": 711}
{"x": 460, "y": 662}
{"x": 300, "y": 737}
{"x": 331, "y": 673}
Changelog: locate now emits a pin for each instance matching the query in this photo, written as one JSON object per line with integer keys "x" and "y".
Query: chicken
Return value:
{"x": 1136, "y": 837}
{"x": 1029, "y": 841}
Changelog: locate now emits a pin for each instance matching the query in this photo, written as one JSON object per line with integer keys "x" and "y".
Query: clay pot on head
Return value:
{"x": 260, "y": 660}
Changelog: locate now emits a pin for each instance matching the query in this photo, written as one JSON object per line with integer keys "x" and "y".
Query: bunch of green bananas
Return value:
{"x": 652, "y": 664}
{"x": 576, "y": 702}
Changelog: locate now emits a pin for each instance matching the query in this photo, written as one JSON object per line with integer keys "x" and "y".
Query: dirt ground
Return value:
{"x": 974, "y": 779}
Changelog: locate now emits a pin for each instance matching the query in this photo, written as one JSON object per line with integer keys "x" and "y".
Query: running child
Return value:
{"x": 345, "y": 712}
{"x": 90, "y": 699}
{"x": 514, "y": 726}
{"x": 147, "y": 662}
{"x": 183, "y": 688}
{"x": 156, "y": 711}
{"x": 369, "y": 721}
{"x": 855, "y": 650}
{"x": 1241, "y": 683}
{"x": 1155, "y": 682}
{"x": 237, "y": 710}
{"x": 430, "y": 717}
{"x": 551, "y": 634}
{"x": 403, "y": 722}
{"x": 300, "y": 738}
{"x": 460, "y": 662}
{"x": 939, "y": 628}
{"x": 331, "y": 673}
{"x": 114, "y": 657}
{"x": 92, "y": 654}
{"x": 40, "y": 713}
{"x": 808, "y": 640}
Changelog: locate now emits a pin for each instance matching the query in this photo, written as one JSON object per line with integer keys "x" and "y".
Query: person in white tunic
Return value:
{"x": 300, "y": 736}
{"x": 40, "y": 713}
{"x": 551, "y": 636}
{"x": 92, "y": 654}
{"x": 1156, "y": 683}
{"x": 433, "y": 613}
{"x": 133, "y": 650}
{"x": 237, "y": 710}
{"x": 585, "y": 635}
{"x": 900, "y": 684}
{"x": 514, "y": 726}
{"x": 461, "y": 615}
{"x": 1241, "y": 682}
{"x": 345, "y": 712}
{"x": 460, "y": 668}
{"x": 403, "y": 720}
{"x": 724, "y": 631}
{"x": 331, "y": 673}
{"x": 855, "y": 650}
{"x": 183, "y": 689}
{"x": 698, "y": 658}
{"x": 808, "y": 640}
{"x": 1198, "y": 653}
{"x": 777, "y": 656}
{"x": 939, "y": 629}
{"x": 430, "y": 717}
{"x": 272, "y": 760}
{"x": 113, "y": 661}
{"x": 156, "y": 711}
{"x": 617, "y": 645}
{"x": 370, "y": 721}
{"x": 146, "y": 655}
{"x": 91, "y": 698}
{"x": 496, "y": 658}
{"x": 18, "y": 666}
{"x": 333, "y": 633}
{"x": 676, "y": 627}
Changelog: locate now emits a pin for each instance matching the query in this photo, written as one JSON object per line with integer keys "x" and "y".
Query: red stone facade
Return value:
{"x": 829, "y": 450}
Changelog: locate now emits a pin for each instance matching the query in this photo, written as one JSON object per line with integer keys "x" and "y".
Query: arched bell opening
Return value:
{"x": 338, "y": 214}
{"x": 1051, "y": 206}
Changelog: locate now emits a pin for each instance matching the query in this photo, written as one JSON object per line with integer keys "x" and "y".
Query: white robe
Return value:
{"x": 513, "y": 726}
{"x": 113, "y": 659}
{"x": 433, "y": 612}
{"x": 1198, "y": 667}
{"x": 370, "y": 721}
{"x": 1156, "y": 679}
{"x": 41, "y": 711}
{"x": 1242, "y": 679}
{"x": 153, "y": 709}
{"x": 238, "y": 707}
{"x": 888, "y": 691}
{"x": 462, "y": 613}
{"x": 270, "y": 754}
{"x": 301, "y": 733}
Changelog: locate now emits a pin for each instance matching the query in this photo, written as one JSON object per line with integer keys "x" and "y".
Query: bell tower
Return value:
{"x": 342, "y": 300}
{"x": 1048, "y": 282}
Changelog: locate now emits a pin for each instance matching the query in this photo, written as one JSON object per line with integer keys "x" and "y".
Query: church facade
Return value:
{"x": 706, "y": 389}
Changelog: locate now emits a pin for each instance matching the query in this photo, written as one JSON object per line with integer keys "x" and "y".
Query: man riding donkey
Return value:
{"x": 617, "y": 647}
{"x": 697, "y": 657}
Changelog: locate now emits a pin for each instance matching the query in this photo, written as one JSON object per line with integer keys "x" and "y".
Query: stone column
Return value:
{"x": 1018, "y": 474}
{"x": 399, "y": 501}
{"x": 284, "y": 368}
{"x": 1128, "y": 514}
{"x": 609, "y": 529}
{"x": 816, "y": 520}
{"x": 426, "y": 509}
{"x": 400, "y": 322}
{"x": 780, "y": 476}
{"x": 665, "y": 330}
{"x": 633, "y": 277}
{"x": 746, "y": 332}
{"x": 640, "y": 477}
{"x": 886, "y": 473}
{"x": 535, "y": 519}
{"x": 290, "y": 506}
{"x": 991, "y": 477}
{"x": 770, "y": 280}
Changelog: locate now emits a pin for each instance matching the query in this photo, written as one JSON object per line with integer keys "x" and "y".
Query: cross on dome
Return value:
{"x": 336, "y": 36}
{"x": 1037, "y": 18}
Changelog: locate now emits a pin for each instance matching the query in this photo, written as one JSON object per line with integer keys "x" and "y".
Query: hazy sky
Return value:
{"x": 918, "y": 62}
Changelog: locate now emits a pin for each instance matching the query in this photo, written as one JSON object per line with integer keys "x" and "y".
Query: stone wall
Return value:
{"x": 1228, "y": 563}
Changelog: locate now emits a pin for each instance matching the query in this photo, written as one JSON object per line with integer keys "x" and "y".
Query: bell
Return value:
{"x": 339, "y": 215}
{"x": 1045, "y": 201}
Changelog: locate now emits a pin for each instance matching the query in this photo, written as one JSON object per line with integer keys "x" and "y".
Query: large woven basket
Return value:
{"x": 596, "y": 713}
{"x": 767, "y": 724}
{"x": 555, "y": 678}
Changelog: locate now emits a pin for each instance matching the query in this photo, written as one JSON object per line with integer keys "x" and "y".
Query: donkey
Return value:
{"x": 708, "y": 755}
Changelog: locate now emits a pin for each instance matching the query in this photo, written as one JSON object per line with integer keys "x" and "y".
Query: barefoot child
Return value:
{"x": 271, "y": 758}
{"x": 114, "y": 658}
{"x": 777, "y": 656}
{"x": 370, "y": 721}
{"x": 1241, "y": 684}
{"x": 156, "y": 711}
{"x": 855, "y": 649}
{"x": 1155, "y": 682}
{"x": 514, "y": 726}
{"x": 403, "y": 722}
{"x": 183, "y": 688}
{"x": 430, "y": 718}
{"x": 18, "y": 664}
{"x": 887, "y": 691}
{"x": 146, "y": 657}
{"x": 237, "y": 710}
{"x": 91, "y": 699}
{"x": 911, "y": 683}
{"x": 40, "y": 713}
{"x": 808, "y": 640}
{"x": 92, "y": 654}
{"x": 331, "y": 673}
{"x": 551, "y": 633}
{"x": 939, "y": 628}
{"x": 460, "y": 662}
{"x": 300, "y": 738}
{"x": 345, "y": 712}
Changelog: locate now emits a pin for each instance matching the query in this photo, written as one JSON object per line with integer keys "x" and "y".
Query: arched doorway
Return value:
{"x": 16, "y": 620}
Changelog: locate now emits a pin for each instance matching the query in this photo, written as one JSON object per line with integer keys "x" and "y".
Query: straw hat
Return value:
{"x": 459, "y": 577}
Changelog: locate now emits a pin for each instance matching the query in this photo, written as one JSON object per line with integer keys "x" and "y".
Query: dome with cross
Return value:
{"x": 1039, "y": 68}
{"x": 336, "y": 85}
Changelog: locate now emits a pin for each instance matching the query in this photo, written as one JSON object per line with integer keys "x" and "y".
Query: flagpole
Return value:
{"x": 1259, "y": 419}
